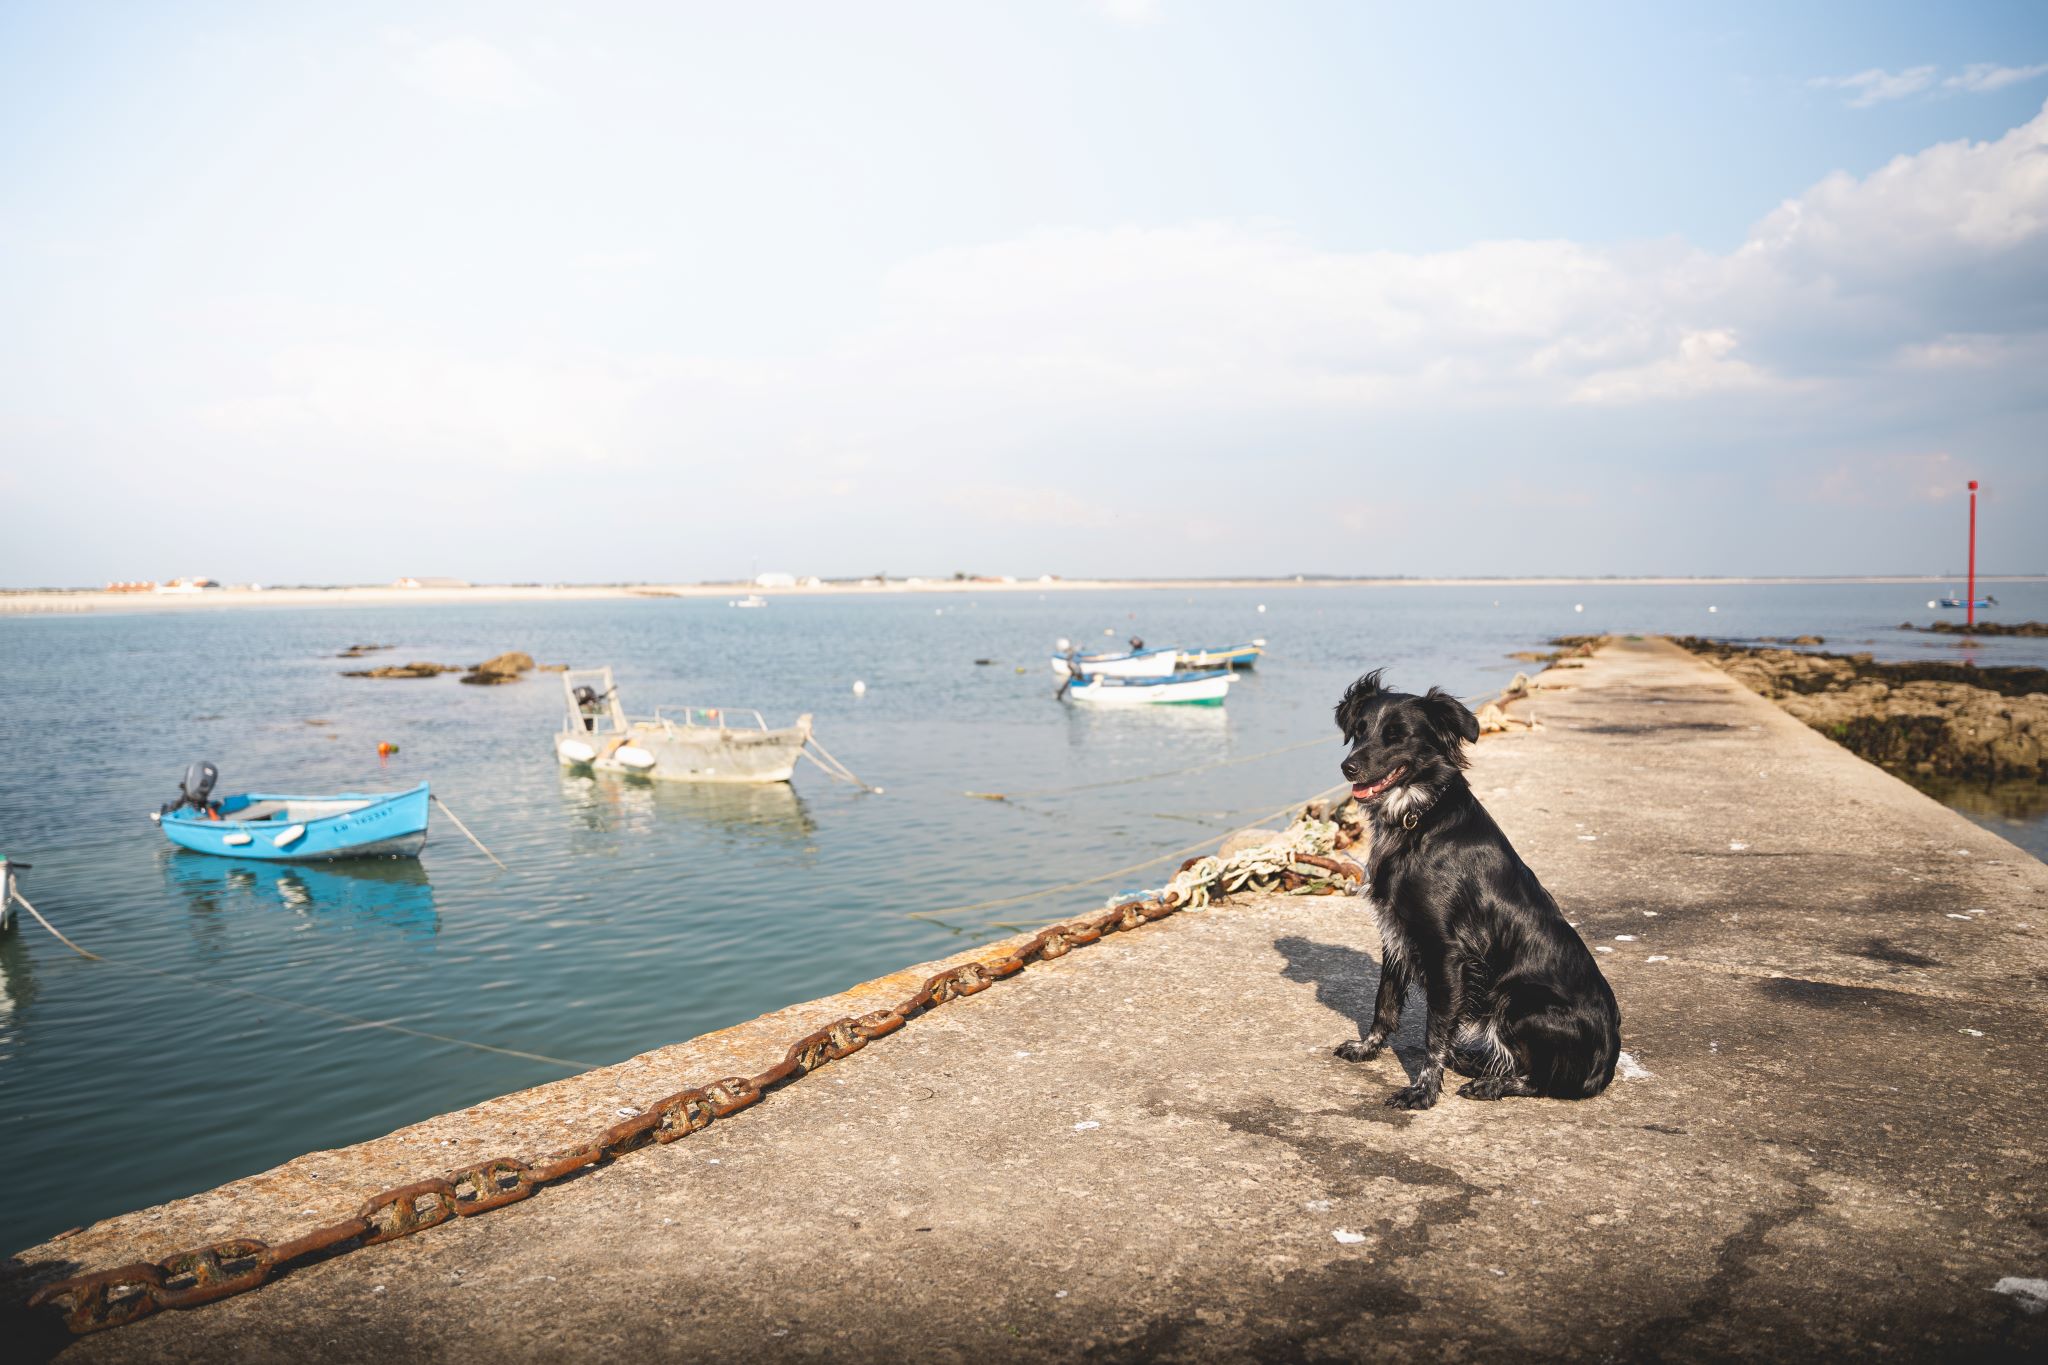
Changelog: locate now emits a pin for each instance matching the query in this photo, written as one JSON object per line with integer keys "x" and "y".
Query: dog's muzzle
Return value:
{"x": 1378, "y": 788}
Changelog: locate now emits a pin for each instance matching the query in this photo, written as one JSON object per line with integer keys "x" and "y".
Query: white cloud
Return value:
{"x": 1984, "y": 77}
{"x": 467, "y": 72}
{"x": 1703, "y": 363}
{"x": 984, "y": 361}
{"x": 1877, "y": 85}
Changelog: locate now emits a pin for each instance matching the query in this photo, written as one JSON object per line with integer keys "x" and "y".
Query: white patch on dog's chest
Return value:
{"x": 1399, "y": 802}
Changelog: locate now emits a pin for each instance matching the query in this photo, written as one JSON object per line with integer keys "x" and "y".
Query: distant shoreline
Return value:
{"x": 59, "y": 601}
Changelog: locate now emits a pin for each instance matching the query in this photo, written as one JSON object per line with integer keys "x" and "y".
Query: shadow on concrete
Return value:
{"x": 1346, "y": 982}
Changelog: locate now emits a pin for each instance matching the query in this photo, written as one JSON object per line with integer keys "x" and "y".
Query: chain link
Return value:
{"x": 114, "y": 1298}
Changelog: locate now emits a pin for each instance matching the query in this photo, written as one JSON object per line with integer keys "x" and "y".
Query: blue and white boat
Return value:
{"x": 1221, "y": 656}
{"x": 1136, "y": 663}
{"x": 1178, "y": 689}
{"x": 279, "y": 828}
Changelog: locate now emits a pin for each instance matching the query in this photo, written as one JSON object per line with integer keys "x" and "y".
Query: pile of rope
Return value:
{"x": 1298, "y": 861}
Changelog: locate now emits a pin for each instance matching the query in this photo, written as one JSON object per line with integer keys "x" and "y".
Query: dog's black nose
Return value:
{"x": 1352, "y": 768}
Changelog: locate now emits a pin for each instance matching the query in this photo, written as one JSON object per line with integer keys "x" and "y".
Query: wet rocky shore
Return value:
{"x": 1933, "y": 723}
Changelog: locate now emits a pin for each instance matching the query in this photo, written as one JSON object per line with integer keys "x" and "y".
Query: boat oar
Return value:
{"x": 465, "y": 829}
{"x": 23, "y": 902}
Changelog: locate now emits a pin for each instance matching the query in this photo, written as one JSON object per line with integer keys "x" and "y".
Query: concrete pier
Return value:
{"x": 1831, "y": 1138}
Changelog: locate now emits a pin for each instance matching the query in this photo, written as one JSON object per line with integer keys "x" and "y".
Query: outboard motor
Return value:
{"x": 587, "y": 706}
{"x": 196, "y": 790}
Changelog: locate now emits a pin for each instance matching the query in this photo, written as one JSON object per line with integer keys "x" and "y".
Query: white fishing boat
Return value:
{"x": 1137, "y": 663}
{"x": 1179, "y": 689}
{"x": 752, "y": 599}
{"x": 676, "y": 743}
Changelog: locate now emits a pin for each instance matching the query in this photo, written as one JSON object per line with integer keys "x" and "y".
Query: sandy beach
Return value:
{"x": 58, "y": 601}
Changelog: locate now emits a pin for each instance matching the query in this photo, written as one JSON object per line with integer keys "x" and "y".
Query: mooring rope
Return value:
{"x": 1001, "y": 901}
{"x": 465, "y": 829}
{"x": 832, "y": 767}
{"x": 1146, "y": 777}
{"x": 23, "y": 901}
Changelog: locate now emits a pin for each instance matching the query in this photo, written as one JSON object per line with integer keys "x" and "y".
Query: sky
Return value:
{"x": 665, "y": 291}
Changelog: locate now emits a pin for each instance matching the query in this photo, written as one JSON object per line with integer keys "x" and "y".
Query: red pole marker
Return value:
{"x": 1970, "y": 611}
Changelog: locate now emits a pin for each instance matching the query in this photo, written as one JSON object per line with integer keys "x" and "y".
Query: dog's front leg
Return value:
{"x": 1386, "y": 1009}
{"x": 1445, "y": 999}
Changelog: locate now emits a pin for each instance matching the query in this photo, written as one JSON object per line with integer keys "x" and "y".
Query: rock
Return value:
{"x": 412, "y": 670}
{"x": 1518, "y": 686}
{"x": 1808, "y": 640}
{"x": 514, "y": 663}
{"x": 2030, "y": 629}
{"x": 358, "y": 651}
{"x": 551, "y": 668}
{"x": 1924, "y": 718}
{"x": 503, "y": 669}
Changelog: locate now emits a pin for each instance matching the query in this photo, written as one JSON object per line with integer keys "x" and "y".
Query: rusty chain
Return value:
{"x": 114, "y": 1298}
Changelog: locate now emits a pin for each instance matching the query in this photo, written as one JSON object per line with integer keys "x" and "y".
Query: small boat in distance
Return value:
{"x": 279, "y": 828}
{"x": 1221, "y": 656}
{"x": 1137, "y": 663}
{"x": 1178, "y": 689}
{"x": 1958, "y": 603}
{"x": 752, "y": 599}
{"x": 676, "y": 743}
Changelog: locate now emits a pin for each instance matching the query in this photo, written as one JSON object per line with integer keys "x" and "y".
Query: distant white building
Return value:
{"x": 775, "y": 580}
{"x": 429, "y": 583}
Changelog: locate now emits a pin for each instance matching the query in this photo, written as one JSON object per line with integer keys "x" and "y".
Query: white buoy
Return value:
{"x": 1930, "y": 604}
{"x": 1064, "y": 644}
{"x": 1262, "y": 606}
{"x": 1712, "y": 610}
{"x": 1578, "y": 606}
{"x": 860, "y": 689}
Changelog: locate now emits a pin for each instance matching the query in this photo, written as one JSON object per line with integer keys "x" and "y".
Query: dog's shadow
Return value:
{"x": 1347, "y": 982}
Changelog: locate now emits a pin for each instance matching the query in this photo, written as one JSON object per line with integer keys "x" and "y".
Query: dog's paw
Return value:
{"x": 1417, "y": 1096}
{"x": 1361, "y": 1049}
{"x": 1485, "y": 1088}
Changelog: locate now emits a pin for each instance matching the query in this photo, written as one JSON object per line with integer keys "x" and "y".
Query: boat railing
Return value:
{"x": 710, "y": 717}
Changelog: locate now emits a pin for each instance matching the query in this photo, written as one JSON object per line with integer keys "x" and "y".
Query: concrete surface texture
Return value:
{"x": 1828, "y": 1140}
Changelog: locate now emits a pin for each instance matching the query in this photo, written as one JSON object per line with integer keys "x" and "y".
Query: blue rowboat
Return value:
{"x": 304, "y": 828}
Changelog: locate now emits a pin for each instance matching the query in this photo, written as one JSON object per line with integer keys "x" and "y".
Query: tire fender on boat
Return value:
{"x": 576, "y": 751}
{"x": 236, "y": 840}
{"x": 290, "y": 836}
{"x": 635, "y": 757}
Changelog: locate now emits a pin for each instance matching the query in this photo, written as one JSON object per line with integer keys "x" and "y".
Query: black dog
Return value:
{"x": 1515, "y": 1000}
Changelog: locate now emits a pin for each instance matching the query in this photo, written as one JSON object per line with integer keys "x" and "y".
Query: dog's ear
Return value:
{"x": 1455, "y": 725}
{"x": 1356, "y": 701}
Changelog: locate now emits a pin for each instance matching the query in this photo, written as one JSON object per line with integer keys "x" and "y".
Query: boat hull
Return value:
{"x": 1146, "y": 663}
{"x": 388, "y": 825}
{"x": 687, "y": 753}
{"x": 1227, "y": 656}
{"x": 1181, "y": 689}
